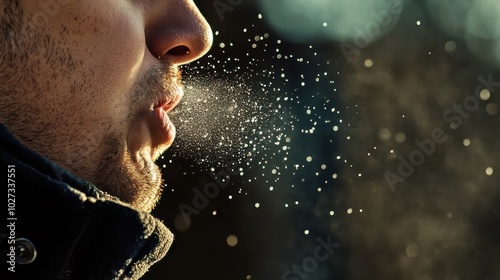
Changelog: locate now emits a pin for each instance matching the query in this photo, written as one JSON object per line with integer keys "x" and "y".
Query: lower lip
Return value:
{"x": 164, "y": 128}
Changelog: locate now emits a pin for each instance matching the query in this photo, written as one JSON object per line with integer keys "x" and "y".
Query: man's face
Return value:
{"x": 88, "y": 84}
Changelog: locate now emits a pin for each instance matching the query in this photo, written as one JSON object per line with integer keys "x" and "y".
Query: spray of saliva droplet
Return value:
{"x": 216, "y": 118}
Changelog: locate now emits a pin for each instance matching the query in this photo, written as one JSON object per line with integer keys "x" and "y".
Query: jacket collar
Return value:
{"x": 75, "y": 230}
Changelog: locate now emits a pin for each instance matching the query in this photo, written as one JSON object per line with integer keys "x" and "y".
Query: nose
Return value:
{"x": 176, "y": 31}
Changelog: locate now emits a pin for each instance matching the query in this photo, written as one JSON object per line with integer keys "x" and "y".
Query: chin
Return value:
{"x": 139, "y": 185}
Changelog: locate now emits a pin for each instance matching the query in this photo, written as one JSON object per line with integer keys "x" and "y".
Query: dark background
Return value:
{"x": 442, "y": 222}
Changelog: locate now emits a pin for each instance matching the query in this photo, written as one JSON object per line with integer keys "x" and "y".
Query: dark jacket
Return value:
{"x": 62, "y": 226}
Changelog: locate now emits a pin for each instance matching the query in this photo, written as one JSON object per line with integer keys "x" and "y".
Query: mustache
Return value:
{"x": 158, "y": 84}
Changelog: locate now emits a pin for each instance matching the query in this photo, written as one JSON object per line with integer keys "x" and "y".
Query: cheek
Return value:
{"x": 119, "y": 67}
{"x": 110, "y": 43}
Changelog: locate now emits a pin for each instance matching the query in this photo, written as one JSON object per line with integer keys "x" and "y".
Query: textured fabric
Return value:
{"x": 76, "y": 232}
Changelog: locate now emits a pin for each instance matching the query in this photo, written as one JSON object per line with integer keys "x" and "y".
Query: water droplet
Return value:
{"x": 412, "y": 250}
{"x": 466, "y": 142}
{"x": 489, "y": 171}
{"x": 400, "y": 137}
{"x": 368, "y": 63}
{"x": 450, "y": 46}
{"x": 492, "y": 109}
{"x": 232, "y": 240}
{"x": 384, "y": 134}
{"x": 485, "y": 94}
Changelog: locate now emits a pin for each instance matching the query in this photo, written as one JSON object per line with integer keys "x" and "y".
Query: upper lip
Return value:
{"x": 168, "y": 101}
{"x": 169, "y": 93}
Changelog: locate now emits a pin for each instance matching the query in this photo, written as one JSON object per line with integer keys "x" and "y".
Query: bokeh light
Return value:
{"x": 332, "y": 20}
{"x": 232, "y": 240}
{"x": 476, "y": 22}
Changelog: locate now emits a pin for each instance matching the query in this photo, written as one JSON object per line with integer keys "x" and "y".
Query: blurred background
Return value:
{"x": 358, "y": 140}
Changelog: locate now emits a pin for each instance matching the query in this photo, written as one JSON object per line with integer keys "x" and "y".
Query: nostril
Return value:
{"x": 178, "y": 51}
